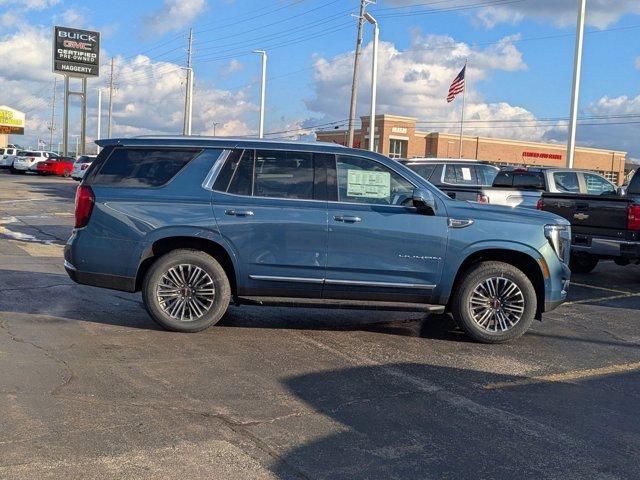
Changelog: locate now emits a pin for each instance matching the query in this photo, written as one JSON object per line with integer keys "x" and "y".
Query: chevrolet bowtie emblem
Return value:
{"x": 580, "y": 216}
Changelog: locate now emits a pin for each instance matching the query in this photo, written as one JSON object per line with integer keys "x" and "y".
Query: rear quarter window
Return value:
{"x": 143, "y": 167}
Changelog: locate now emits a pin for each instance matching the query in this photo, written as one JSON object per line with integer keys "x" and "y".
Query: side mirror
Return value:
{"x": 424, "y": 201}
{"x": 622, "y": 191}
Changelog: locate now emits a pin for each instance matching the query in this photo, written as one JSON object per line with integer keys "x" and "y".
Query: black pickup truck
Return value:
{"x": 604, "y": 224}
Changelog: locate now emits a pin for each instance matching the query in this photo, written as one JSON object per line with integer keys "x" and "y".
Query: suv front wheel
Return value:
{"x": 495, "y": 302}
{"x": 186, "y": 291}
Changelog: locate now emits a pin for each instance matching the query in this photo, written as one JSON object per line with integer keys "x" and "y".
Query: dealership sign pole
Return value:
{"x": 76, "y": 53}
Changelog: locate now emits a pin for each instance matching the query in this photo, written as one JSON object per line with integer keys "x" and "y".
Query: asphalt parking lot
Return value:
{"x": 91, "y": 388}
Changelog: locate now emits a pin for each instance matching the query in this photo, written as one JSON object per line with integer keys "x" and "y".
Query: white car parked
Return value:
{"x": 80, "y": 166}
{"x": 28, "y": 160}
{"x": 7, "y": 156}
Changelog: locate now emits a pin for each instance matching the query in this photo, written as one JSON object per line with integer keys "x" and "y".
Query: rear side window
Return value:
{"x": 460, "y": 174}
{"x": 268, "y": 173}
{"x": 424, "y": 170}
{"x": 142, "y": 167}
{"x": 283, "y": 174}
{"x": 2, "y": 151}
{"x": 567, "y": 182}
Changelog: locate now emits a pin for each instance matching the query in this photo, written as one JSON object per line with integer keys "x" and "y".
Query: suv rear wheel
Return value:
{"x": 495, "y": 302}
{"x": 186, "y": 291}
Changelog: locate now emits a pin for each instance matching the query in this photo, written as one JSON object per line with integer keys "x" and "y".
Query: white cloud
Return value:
{"x": 600, "y": 13}
{"x": 149, "y": 97}
{"x": 174, "y": 15}
{"x": 232, "y": 67}
{"x": 414, "y": 82}
{"x": 30, "y": 4}
{"x": 71, "y": 17}
{"x": 617, "y": 131}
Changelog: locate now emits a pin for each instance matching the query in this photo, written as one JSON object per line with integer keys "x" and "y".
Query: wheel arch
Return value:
{"x": 519, "y": 259}
{"x": 167, "y": 244}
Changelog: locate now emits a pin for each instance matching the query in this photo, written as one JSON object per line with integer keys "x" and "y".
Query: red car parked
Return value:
{"x": 62, "y": 166}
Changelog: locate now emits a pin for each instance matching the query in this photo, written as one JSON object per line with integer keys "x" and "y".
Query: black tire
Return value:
{"x": 582, "y": 262}
{"x": 508, "y": 274}
{"x": 14, "y": 171}
{"x": 67, "y": 173}
{"x": 176, "y": 259}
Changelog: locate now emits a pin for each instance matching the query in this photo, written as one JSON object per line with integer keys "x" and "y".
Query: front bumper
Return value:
{"x": 608, "y": 247}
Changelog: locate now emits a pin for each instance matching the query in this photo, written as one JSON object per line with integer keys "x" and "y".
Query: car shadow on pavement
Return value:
{"x": 408, "y": 324}
{"x": 417, "y": 421}
{"x": 37, "y": 296}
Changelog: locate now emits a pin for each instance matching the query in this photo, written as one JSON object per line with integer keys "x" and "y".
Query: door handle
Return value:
{"x": 347, "y": 219}
{"x": 239, "y": 213}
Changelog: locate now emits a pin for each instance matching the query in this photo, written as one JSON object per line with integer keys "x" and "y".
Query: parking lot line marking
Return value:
{"x": 602, "y": 299}
{"x": 569, "y": 376}
{"x": 606, "y": 289}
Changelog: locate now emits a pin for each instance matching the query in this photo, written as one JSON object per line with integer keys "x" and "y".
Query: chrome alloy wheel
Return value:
{"x": 185, "y": 292}
{"x": 497, "y": 304}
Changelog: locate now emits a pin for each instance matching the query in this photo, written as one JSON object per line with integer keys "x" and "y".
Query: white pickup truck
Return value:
{"x": 523, "y": 187}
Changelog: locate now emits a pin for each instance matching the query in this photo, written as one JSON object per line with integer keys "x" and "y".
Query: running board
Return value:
{"x": 346, "y": 304}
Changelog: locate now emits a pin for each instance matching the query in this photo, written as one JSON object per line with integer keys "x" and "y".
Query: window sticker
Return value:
{"x": 466, "y": 173}
{"x": 368, "y": 184}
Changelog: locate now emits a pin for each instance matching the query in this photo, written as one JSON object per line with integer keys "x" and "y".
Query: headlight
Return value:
{"x": 559, "y": 237}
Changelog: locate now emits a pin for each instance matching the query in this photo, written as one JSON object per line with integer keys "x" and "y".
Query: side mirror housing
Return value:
{"x": 424, "y": 201}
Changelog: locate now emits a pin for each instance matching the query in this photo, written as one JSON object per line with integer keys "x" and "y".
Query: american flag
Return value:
{"x": 457, "y": 86}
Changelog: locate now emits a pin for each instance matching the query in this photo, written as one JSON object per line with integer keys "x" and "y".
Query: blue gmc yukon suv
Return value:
{"x": 195, "y": 223}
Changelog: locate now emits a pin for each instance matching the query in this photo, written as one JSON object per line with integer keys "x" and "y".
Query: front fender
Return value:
{"x": 457, "y": 257}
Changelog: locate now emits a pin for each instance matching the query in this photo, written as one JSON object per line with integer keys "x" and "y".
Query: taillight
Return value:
{"x": 84, "y": 205}
{"x": 482, "y": 198}
{"x": 633, "y": 217}
{"x": 540, "y": 204}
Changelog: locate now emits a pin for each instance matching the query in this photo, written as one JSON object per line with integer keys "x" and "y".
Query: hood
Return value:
{"x": 501, "y": 213}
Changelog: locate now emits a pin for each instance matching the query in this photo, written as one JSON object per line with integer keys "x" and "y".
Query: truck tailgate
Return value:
{"x": 603, "y": 216}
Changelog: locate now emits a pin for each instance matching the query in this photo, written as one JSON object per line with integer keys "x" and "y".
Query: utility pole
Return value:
{"x": 99, "y": 118}
{"x": 110, "y": 100}
{"x": 52, "y": 127}
{"x": 575, "y": 94}
{"x": 354, "y": 83}
{"x": 188, "y": 99}
{"x": 263, "y": 87}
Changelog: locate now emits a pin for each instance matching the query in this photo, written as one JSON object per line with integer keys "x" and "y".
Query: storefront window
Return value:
{"x": 398, "y": 148}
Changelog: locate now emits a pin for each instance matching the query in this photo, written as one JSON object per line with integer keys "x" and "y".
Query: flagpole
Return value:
{"x": 464, "y": 91}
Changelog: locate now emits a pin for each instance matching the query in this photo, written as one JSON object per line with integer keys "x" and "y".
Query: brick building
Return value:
{"x": 401, "y": 139}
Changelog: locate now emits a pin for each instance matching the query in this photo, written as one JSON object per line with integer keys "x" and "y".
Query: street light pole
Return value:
{"x": 263, "y": 85}
{"x": 575, "y": 94}
{"x": 374, "y": 81}
{"x": 99, "y": 124}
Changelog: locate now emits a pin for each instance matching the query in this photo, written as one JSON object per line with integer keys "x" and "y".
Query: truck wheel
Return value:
{"x": 186, "y": 291}
{"x": 495, "y": 302}
{"x": 582, "y": 262}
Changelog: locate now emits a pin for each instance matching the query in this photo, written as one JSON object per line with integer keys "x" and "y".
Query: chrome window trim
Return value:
{"x": 211, "y": 177}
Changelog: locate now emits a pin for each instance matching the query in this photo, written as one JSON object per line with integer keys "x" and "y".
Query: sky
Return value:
{"x": 519, "y": 75}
